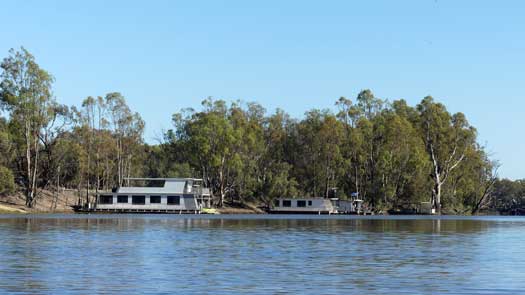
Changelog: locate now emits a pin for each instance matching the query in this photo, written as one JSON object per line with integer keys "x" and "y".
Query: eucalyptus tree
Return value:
{"x": 509, "y": 196}
{"x": 248, "y": 150}
{"x": 470, "y": 189}
{"x": 320, "y": 164}
{"x": 275, "y": 168}
{"x": 7, "y": 184}
{"x": 210, "y": 137}
{"x": 486, "y": 179}
{"x": 331, "y": 134}
{"x": 26, "y": 94}
{"x": 127, "y": 128}
{"x": 348, "y": 113}
{"x": 447, "y": 139}
{"x": 368, "y": 104}
{"x": 401, "y": 161}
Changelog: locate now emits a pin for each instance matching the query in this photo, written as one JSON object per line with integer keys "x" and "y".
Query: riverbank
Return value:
{"x": 5, "y": 209}
{"x": 49, "y": 202}
{"x": 46, "y": 202}
{"x": 240, "y": 208}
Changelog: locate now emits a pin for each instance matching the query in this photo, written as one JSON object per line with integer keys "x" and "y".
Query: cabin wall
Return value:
{"x": 317, "y": 205}
{"x": 346, "y": 206}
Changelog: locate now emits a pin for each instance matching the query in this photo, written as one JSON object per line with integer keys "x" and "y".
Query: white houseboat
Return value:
{"x": 316, "y": 206}
{"x": 155, "y": 195}
{"x": 303, "y": 206}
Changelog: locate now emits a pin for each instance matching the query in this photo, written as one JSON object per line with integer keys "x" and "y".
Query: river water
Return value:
{"x": 182, "y": 254}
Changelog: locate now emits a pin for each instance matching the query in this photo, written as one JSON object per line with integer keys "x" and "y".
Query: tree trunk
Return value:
{"x": 357, "y": 181}
{"x": 87, "y": 172}
{"x": 327, "y": 190}
{"x": 436, "y": 202}
{"x": 221, "y": 201}
{"x": 35, "y": 170}
{"x": 221, "y": 184}
{"x": 29, "y": 191}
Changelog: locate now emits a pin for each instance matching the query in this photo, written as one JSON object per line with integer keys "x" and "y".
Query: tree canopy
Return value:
{"x": 386, "y": 152}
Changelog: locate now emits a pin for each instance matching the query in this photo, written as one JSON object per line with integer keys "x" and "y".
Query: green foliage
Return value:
{"x": 7, "y": 181}
{"x": 25, "y": 93}
{"x": 509, "y": 196}
{"x": 448, "y": 141}
{"x": 389, "y": 154}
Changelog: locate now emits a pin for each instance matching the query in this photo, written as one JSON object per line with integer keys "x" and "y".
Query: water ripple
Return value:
{"x": 127, "y": 254}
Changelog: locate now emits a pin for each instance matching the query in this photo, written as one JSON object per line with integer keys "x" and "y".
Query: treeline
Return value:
{"x": 387, "y": 153}
{"x": 47, "y": 145}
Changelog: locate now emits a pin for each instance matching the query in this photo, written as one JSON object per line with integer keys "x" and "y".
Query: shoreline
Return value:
{"x": 13, "y": 205}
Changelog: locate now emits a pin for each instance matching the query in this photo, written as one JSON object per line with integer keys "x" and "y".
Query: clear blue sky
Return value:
{"x": 295, "y": 55}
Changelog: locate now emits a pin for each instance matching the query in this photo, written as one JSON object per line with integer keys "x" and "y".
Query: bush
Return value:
{"x": 7, "y": 181}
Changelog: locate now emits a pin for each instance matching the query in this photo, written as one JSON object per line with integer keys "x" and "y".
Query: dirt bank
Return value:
{"x": 50, "y": 202}
{"x": 46, "y": 202}
{"x": 240, "y": 208}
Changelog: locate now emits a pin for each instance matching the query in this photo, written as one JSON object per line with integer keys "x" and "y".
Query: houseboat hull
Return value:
{"x": 79, "y": 209}
{"x": 301, "y": 212}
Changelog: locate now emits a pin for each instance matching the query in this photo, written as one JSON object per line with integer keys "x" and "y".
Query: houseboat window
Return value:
{"x": 105, "y": 200}
{"x": 173, "y": 200}
{"x": 122, "y": 199}
{"x": 138, "y": 200}
{"x": 154, "y": 199}
{"x": 309, "y": 203}
{"x": 277, "y": 203}
{"x": 301, "y": 203}
{"x": 287, "y": 203}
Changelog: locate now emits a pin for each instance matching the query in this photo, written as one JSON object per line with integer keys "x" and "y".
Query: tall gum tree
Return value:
{"x": 25, "y": 92}
{"x": 447, "y": 138}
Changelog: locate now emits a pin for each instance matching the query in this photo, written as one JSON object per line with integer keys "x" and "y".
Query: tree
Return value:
{"x": 275, "y": 170}
{"x": 111, "y": 136}
{"x": 209, "y": 138}
{"x": 509, "y": 196}
{"x": 390, "y": 154}
{"x": 401, "y": 159}
{"x": 25, "y": 92}
{"x": 248, "y": 149}
{"x": 128, "y": 128}
{"x": 447, "y": 139}
{"x": 7, "y": 181}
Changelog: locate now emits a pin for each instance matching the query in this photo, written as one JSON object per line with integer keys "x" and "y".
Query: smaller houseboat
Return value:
{"x": 155, "y": 195}
{"x": 303, "y": 206}
{"x": 316, "y": 206}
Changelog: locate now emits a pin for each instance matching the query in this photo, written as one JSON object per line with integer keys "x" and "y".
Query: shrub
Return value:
{"x": 7, "y": 181}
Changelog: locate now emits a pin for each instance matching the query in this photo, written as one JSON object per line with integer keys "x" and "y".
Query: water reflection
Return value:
{"x": 124, "y": 254}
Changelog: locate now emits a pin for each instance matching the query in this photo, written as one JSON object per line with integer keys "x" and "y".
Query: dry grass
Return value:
{"x": 4, "y": 209}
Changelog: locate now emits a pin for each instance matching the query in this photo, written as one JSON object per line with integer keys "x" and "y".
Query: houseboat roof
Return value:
{"x": 305, "y": 198}
{"x": 166, "y": 179}
{"x": 169, "y": 186}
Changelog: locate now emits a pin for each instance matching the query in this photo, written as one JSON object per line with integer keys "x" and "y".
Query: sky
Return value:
{"x": 295, "y": 55}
